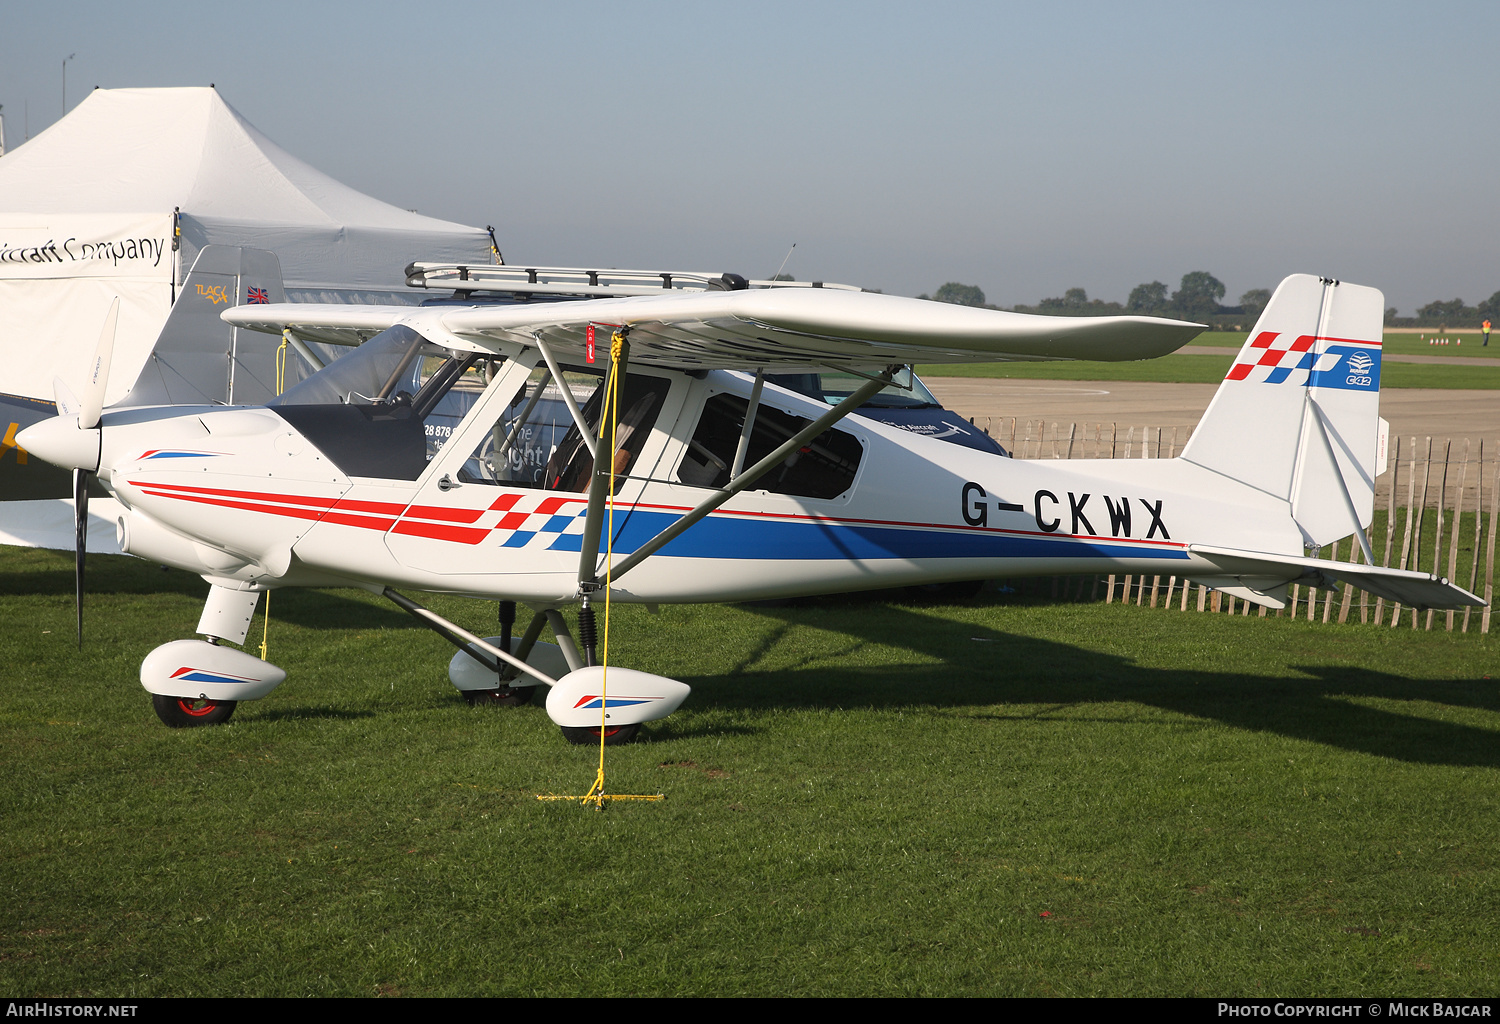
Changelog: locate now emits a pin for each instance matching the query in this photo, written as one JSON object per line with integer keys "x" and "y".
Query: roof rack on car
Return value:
{"x": 464, "y": 278}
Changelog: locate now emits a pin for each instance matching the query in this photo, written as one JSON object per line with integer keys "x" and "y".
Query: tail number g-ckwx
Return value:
{"x": 1048, "y": 510}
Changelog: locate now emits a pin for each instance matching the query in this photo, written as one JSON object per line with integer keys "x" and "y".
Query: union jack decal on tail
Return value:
{"x": 257, "y": 296}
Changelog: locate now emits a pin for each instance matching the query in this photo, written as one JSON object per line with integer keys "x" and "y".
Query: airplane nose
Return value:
{"x": 62, "y": 442}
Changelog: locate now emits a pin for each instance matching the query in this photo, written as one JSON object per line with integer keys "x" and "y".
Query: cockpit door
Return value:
{"x": 508, "y": 491}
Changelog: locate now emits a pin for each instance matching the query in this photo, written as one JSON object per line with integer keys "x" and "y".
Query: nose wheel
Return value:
{"x": 191, "y": 712}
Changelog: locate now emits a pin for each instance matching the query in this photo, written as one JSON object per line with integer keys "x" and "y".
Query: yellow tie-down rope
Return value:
{"x": 265, "y": 628}
{"x": 596, "y": 794}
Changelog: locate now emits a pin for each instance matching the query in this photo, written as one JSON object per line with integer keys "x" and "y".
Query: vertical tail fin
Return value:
{"x": 198, "y": 358}
{"x": 1297, "y": 416}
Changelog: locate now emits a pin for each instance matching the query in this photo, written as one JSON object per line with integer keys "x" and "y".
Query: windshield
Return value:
{"x": 385, "y": 409}
{"x": 377, "y": 371}
{"x": 905, "y": 392}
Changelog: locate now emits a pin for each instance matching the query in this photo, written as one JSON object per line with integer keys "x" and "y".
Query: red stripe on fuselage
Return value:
{"x": 446, "y": 515}
{"x": 387, "y": 515}
{"x": 439, "y": 531}
{"x": 248, "y": 506}
{"x": 252, "y": 495}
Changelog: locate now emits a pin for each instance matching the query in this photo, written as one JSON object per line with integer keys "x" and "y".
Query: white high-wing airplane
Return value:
{"x": 391, "y": 468}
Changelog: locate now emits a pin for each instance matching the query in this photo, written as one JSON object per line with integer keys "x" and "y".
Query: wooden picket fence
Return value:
{"x": 1436, "y": 509}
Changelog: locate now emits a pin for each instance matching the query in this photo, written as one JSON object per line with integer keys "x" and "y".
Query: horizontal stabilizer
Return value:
{"x": 1413, "y": 589}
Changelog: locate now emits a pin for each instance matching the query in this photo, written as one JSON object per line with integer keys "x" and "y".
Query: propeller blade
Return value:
{"x": 93, "y": 392}
{"x": 80, "y": 540}
{"x": 67, "y": 402}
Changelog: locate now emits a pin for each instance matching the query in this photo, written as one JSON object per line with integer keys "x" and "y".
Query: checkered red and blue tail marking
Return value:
{"x": 1278, "y": 358}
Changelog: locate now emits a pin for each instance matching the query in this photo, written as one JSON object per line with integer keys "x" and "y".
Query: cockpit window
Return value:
{"x": 536, "y": 444}
{"x": 824, "y": 467}
{"x": 906, "y": 390}
{"x": 386, "y": 409}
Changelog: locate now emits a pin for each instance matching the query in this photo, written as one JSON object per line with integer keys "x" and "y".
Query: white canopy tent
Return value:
{"x": 89, "y": 210}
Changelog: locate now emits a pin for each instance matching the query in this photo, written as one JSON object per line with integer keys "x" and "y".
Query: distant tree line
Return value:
{"x": 1200, "y": 298}
{"x": 1452, "y": 313}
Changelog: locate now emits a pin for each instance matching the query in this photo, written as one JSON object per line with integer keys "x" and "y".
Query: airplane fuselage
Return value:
{"x": 242, "y": 494}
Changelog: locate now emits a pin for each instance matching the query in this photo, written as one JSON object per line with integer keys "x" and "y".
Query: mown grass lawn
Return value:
{"x": 863, "y": 796}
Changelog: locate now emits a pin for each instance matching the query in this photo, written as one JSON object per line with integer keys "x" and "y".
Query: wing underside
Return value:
{"x": 771, "y": 328}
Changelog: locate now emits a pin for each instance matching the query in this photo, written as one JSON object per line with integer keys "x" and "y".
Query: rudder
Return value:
{"x": 198, "y": 358}
{"x": 1297, "y": 416}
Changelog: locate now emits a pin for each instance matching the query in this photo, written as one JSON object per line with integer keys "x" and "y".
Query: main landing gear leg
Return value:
{"x": 504, "y": 695}
{"x": 564, "y": 639}
{"x": 482, "y": 669}
{"x": 576, "y": 701}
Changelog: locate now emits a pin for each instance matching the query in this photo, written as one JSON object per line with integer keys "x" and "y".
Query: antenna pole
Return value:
{"x": 783, "y": 262}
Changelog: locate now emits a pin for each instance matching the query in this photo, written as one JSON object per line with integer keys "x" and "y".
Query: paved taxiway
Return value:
{"x": 1411, "y": 411}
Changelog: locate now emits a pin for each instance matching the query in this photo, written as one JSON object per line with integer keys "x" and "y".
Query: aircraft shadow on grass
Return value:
{"x": 113, "y": 576}
{"x": 973, "y": 666}
{"x": 979, "y": 666}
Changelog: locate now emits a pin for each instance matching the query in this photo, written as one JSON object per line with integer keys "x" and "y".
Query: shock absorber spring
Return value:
{"x": 588, "y": 633}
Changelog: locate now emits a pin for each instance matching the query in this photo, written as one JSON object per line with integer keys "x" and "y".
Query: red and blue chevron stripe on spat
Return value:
{"x": 593, "y": 700}
{"x": 202, "y": 675}
{"x": 1272, "y": 358}
{"x": 257, "y": 296}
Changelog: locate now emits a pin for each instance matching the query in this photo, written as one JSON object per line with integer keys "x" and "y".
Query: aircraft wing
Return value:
{"x": 785, "y": 329}
{"x": 1413, "y": 589}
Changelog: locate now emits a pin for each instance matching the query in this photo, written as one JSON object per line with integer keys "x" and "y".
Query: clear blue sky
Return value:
{"x": 1026, "y": 149}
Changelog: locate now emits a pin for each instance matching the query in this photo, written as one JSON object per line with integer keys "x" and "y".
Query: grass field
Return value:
{"x": 864, "y": 797}
{"x": 1188, "y": 367}
{"x": 1400, "y": 343}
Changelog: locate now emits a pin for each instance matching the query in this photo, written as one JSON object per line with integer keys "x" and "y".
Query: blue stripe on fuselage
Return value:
{"x": 728, "y": 537}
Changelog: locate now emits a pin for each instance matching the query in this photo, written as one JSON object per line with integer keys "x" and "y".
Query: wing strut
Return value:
{"x": 744, "y": 446}
{"x": 754, "y": 473}
{"x": 593, "y": 523}
{"x": 448, "y": 630}
{"x": 302, "y": 349}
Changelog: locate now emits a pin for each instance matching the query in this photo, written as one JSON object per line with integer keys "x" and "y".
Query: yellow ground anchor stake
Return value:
{"x": 596, "y": 794}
